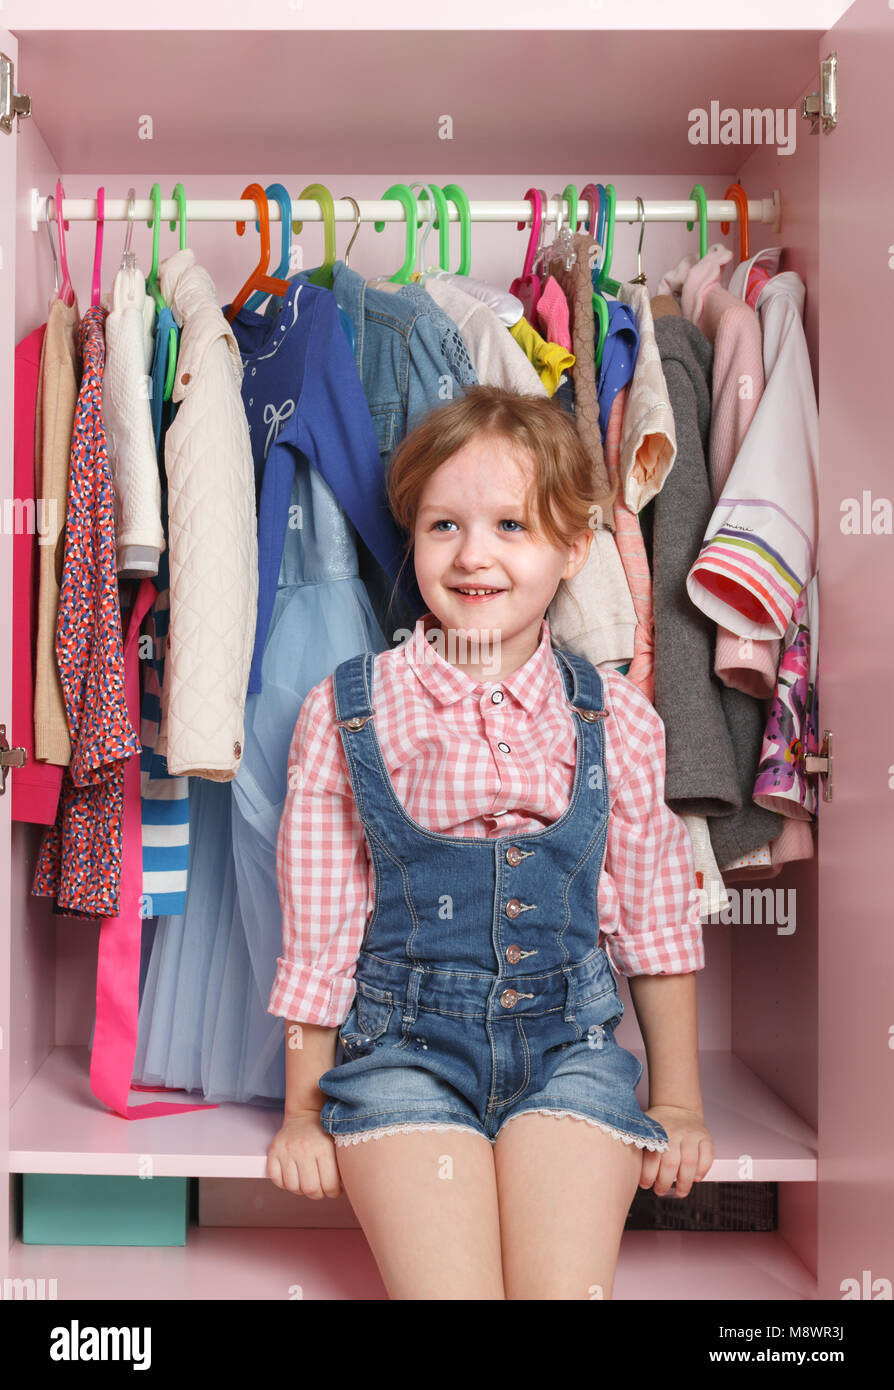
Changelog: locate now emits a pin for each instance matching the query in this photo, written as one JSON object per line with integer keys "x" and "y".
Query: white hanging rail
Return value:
{"x": 388, "y": 210}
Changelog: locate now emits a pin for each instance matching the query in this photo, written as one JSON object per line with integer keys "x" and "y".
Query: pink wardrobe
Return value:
{"x": 796, "y": 1022}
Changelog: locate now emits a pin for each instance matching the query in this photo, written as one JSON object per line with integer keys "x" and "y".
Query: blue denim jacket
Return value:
{"x": 409, "y": 353}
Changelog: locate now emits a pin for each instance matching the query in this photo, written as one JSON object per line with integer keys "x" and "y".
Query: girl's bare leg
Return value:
{"x": 427, "y": 1202}
{"x": 565, "y": 1188}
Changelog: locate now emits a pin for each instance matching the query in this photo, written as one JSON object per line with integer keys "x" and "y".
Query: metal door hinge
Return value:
{"x": 821, "y": 764}
{"x": 9, "y": 757}
{"x": 12, "y": 103}
{"x": 823, "y": 105}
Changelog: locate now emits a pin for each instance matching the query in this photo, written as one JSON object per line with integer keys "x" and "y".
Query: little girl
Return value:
{"x": 470, "y": 814}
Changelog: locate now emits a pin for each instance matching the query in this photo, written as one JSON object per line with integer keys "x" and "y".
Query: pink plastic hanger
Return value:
{"x": 526, "y": 286}
{"x": 66, "y": 291}
{"x": 97, "y": 255}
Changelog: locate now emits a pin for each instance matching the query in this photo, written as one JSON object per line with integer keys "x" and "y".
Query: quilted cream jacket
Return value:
{"x": 212, "y": 535}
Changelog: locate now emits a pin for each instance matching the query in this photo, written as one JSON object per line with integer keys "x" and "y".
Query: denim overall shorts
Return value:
{"x": 481, "y": 990}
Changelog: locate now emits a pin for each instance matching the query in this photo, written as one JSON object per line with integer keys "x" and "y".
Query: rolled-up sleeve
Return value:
{"x": 323, "y": 873}
{"x": 650, "y": 890}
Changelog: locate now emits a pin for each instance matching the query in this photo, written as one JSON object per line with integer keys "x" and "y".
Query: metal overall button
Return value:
{"x": 514, "y": 855}
{"x": 357, "y": 721}
{"x": 513, "y": 954}
{"x": 509, "y": 998}
{"x": 514, "y": 907}
{"x": 591, "y": 715}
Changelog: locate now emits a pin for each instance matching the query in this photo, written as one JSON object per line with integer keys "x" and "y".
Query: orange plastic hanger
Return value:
{"x": 259, "y": 279}
{"x": 738, "y": 195}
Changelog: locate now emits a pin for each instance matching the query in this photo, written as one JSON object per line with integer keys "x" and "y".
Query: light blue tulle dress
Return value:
{"x": 204, "y": 1025}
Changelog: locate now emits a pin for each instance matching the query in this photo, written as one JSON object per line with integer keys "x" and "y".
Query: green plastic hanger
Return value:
{"x": 442, "y": 222}
{"x": 604, "y": 281}
{"x": 401, "y": 192}
{"x": 600, "y": 309}
{"x": 180, "y": 198}
{"x": 571, "y": 194}
{"x": 152, "y": 286}
{"x": 457, "y": 196}
{"x": 698, "y": 193}
{"x": 323, "y": 276}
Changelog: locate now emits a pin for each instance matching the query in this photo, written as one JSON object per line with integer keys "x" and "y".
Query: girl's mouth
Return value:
{"x": 476, "y": 594}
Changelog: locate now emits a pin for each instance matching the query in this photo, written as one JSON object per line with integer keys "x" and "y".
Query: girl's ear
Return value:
{"x": 577, "y": 554}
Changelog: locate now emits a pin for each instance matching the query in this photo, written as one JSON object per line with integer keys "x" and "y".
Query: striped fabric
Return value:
{"x": 739, "y": 568}
{"x": 164, "y": 799}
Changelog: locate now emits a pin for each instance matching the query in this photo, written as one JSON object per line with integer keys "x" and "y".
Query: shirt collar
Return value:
{"x": 531, "y": 685}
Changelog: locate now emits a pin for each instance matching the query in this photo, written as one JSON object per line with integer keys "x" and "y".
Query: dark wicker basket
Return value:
{"x": 709, "y": 1206}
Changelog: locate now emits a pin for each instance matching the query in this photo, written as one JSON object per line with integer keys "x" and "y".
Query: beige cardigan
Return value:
{"x": 59, "y": 383}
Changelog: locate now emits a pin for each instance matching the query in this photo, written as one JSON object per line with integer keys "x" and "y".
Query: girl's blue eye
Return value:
{"x": 506, "y": 522}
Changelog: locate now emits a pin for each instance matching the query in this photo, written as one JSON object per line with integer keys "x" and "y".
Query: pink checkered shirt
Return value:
{"x": 439, "y": 730}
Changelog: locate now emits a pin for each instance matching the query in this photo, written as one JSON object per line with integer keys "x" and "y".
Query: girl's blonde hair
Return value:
{"x": 561, "y": 501}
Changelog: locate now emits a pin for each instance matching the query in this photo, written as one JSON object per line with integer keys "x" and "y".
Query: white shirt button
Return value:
{"x": 497, "y": 696}
{"x": 504, "y": 748}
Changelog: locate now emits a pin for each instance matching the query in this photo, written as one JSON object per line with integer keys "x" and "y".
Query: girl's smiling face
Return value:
{"x": 473, "y": 533}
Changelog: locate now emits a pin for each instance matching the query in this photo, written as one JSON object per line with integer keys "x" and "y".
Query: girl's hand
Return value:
{"x": 301, "y": 1158}
{"x": 688, "y": 1156}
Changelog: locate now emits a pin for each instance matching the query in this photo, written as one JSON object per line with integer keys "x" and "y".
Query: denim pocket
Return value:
{"x": 374, "y": 1009}
{"x": 603, "y": 1008}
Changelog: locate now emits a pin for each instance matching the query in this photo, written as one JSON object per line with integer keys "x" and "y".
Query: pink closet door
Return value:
{"x": 9, "y": 46}
{"x": 856, "y": 834}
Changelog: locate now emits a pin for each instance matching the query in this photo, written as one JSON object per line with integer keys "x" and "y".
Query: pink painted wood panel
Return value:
{"x": 627, "y": 97}
{"x": 9, "y": 46}
{"x": 235, "y": 1263}
{"x": 856, "y": 923}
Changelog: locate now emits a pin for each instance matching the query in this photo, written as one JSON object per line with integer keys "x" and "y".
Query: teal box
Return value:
{"x": 90, "y": 1209}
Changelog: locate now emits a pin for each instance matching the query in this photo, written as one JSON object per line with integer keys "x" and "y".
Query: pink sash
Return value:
{"x": 118, "y": 963}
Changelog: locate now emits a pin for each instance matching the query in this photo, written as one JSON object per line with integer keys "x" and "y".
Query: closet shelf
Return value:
{"x": 260, "y": 1262}
{"x": 56, "y": 1126}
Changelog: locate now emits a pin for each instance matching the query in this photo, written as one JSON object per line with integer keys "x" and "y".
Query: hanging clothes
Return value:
{"x": 303, "y": 397}
{"x": 164, "y": 800}
{"x": 759, "y": 547}
{"x": 213, "y": 536}
{"x": 507, "y": 308}
{"x": 648, "y": 435}
{"x": 578, "y": 289}
{"x": 203, "y": 1018}
{"x": 549, "y": 360}
{"x": 495, "y": 355}
{"x": 60, "y": 383}
{"x": 618, "y": 358}
{"x": 79, "y": 863}
{"x": 791, "y": 731}
{"x": 554, "y": 314}
{"x": 127, "y": 417}
{"x": 36, "y": 786}
{"x": 453, "y": 345}
{"x": 733, "y": 329}
{"x": 700, "y": 775}
{"x": 632, "y": 552}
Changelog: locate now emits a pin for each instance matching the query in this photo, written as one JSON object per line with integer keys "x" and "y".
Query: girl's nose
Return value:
{"x": 472, "y": 552}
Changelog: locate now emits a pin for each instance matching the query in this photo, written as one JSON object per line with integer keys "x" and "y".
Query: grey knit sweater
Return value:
{"x": 713, "y": 734}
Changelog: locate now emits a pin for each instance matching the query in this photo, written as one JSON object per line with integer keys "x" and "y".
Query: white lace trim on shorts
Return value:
{"x": 342, "y": 1140}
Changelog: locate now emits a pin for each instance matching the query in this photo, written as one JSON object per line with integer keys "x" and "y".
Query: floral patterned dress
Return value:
{"x": 80, "y": 857}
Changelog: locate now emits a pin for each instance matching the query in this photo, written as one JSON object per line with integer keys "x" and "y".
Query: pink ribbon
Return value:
{"x": 118, "y": 964}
